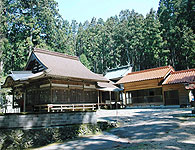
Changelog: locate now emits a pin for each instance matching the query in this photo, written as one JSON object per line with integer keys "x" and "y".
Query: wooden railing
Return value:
{"x": 64, "y": 107}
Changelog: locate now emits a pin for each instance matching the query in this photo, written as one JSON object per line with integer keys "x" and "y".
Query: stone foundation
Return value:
{"x": 8, "y": 121}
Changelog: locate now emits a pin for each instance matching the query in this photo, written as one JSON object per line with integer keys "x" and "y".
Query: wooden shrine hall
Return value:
{"x": 53, "y": 81}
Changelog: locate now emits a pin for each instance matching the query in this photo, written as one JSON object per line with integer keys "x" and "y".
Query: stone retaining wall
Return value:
{"x": 19, "y": 138}
{"x": 46, "y": 119}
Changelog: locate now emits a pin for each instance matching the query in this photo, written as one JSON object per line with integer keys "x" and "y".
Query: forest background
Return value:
{"x": 165, "y": 37}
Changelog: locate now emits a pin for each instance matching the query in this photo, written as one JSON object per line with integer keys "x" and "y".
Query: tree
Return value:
{"x": 30, "y": 24}
{"x": 84, "y": 61}
{"x": 178, "y": 31}
{"x": 162, "y": 38}
{"x": 152, "y": 55}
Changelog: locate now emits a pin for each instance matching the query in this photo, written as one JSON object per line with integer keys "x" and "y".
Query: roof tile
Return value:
{"x": 154, "y": 73}
{"x": 184, "y": 76}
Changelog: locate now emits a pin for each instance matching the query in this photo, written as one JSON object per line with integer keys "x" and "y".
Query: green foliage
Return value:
{"x": 162, "y": 38}
{"x": 84, "y": 61}
{"x": 3, "y": 93}
{"x": 178, "y": 27}
{"x": 29, "y": 24}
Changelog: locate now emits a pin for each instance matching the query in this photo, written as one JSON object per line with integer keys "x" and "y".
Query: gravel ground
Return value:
{"x": 139, "y": 129}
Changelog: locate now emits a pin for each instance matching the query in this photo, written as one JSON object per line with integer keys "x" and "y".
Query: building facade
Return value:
{"x": 51, "y": 79}
{"x": 158, "y": 86}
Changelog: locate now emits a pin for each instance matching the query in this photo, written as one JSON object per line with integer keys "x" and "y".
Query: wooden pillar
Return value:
{"x": 121, "y": 98}
{"x": 83, "y": 92}
{"x": 101, "y": 97}
{"x": 68, "y": 93}
{"x": 163, "y": 96}
{"x": 24, "y": 104}
{"x": 51, "y": 95}
{"x": 98, "y": 99}
{"x": 125, "y": 99}
{"x": 110, "y": 94}
{"x": 117, "y": 99}
{"x": 13, "y": 99}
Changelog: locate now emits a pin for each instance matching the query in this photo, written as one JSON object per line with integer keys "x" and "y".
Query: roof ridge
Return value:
{"x": 44, "y": 51}
{"x": 118, "y": 68}
{"x": 152, "y": 69}
{"x": 182, "y": 71}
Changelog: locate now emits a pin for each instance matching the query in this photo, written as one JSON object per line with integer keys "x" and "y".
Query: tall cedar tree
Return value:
{"x": 176, "y": 17}
{"x": 28, "y": 24}
{"x": 162, "y": 38}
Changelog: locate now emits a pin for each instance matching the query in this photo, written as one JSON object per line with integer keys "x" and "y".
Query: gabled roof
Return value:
{"x": 184, "y": 76}
{"x": 44, "y": 63}
{"x": 154, "y": 73}
{"x": 118, "y": 73}
{"x": 63, "y": 66}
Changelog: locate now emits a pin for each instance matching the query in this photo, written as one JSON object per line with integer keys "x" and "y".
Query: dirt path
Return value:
{"x": 139, "y": 129}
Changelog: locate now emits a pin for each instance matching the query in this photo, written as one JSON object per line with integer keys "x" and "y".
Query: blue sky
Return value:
{"x": 82, "y": 10}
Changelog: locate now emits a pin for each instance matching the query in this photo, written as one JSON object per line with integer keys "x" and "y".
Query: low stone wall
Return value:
{"x": 46, "y": 120}
{"x": 33, "y": 138}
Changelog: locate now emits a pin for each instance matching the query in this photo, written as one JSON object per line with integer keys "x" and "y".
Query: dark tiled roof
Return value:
{"x": 154, "y": 73}
{"x": 61, "y": 65}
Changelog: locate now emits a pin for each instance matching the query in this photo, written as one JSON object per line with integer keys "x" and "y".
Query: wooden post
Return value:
{"x": 110, "y": 94}
{"x": 69, "y": 92}
{"x": 163, "y": 96}
{"x": 51, "y": 95}
{"x": 13, "y": 99}
{"x": 121, "y": 98}
{"x": 125, "y": 99}
{"x": 98, "y": 99}
{"x": 24, "y": 104}
{"x": 72, "y": 107}
{"x": 101, "y": 97}
{"x": 117, "y": 99}
{"x": 48, "y": 108}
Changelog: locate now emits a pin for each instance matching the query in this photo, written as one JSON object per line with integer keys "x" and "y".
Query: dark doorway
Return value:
{"x": 171, "y": 97}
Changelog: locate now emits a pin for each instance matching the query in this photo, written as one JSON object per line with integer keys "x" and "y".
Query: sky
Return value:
{"x": 82, "y": 10}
